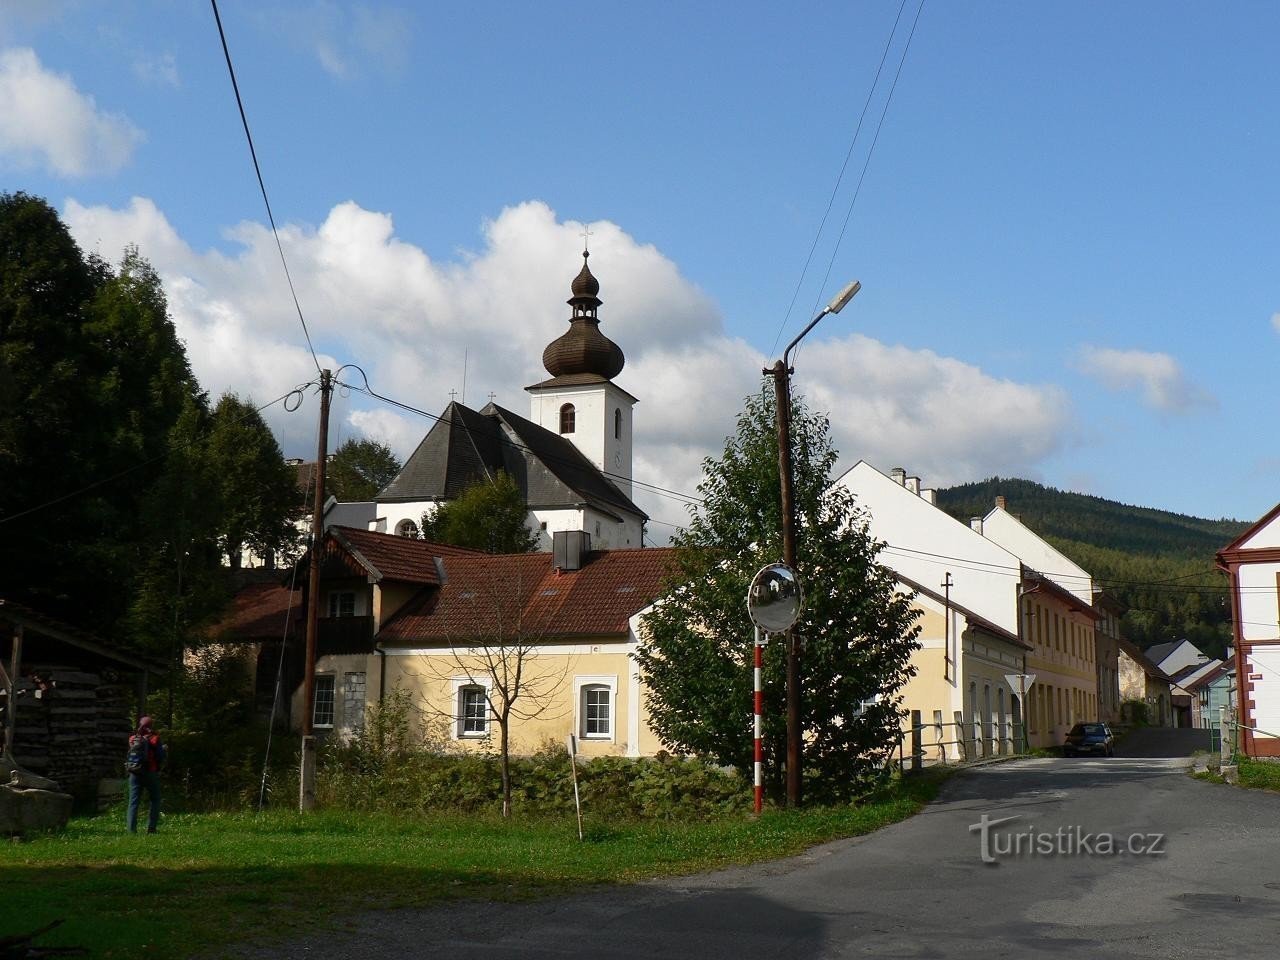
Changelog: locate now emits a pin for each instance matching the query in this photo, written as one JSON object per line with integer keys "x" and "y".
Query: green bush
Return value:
{"x": 217, "y": 742}
{"x": 1135, "y": 712}
{"x": 385, "y": 769}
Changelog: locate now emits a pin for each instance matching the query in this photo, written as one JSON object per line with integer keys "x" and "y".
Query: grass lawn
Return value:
{"x": 212, "y": 879}
{"x": 1259, "y": 774}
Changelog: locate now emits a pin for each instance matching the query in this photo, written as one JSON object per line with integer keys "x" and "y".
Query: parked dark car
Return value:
{"x": 1089, "y": 738}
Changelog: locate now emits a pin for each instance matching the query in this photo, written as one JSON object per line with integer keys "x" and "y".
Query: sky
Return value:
{"x": 1065, "y": 217}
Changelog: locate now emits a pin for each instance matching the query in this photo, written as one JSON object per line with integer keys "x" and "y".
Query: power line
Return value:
{"x": 244, "y": 120}
{"x": 965, "y": 563}
{"x": 653, "y": 488}
{"x": 839, "y": 178}
{"x": 867, "y": 163}
{"x": 144, "y": 463}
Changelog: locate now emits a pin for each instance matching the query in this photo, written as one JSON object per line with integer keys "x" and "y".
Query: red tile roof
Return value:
{"x": 511, "y": 596}
{"x": 385, "y": 556}
{"x": 259, "y": 611}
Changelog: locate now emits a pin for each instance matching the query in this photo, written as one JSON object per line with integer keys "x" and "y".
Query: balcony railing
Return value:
{"x": 337, "y": 635}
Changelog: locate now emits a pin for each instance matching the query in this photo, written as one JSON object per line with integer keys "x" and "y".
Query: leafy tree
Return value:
{"x": 258, "y": 492}
{"x": 182, "y": 584}
{"x": 94, "y": 378}
{"x": 489, "y": 516}
{"x": 358, "y": 469}
{"x": 857, "y": 630}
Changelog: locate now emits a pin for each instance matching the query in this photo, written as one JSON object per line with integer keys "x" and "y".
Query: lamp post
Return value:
{"x": 781, "y": 373}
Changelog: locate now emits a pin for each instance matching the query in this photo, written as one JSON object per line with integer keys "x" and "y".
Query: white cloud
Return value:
{"x": 47, "y": 121}
{"x": 409, "y": 321}
{"x": 1275, "y": 322}
{"x": 1160, "y": 378}
{"x": 157, "y": 69}
{"x": 344, "y": 39}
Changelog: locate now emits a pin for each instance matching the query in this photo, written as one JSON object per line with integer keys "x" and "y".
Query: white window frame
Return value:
{"x": 333, "y": 700}
{"x": 580, "y": 687}
{"x": 467, "y": 683}
{"x": 335, "y": 603}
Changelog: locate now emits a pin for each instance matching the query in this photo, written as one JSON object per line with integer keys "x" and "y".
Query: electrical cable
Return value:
{"x": 308, "y": 491}
{"x": 366, "y": 389}
{"x": 244, "y": 120}
{"x": 839, "y": 179}
{"x": 144, "y": 463}
{"x": 874, "y": 140}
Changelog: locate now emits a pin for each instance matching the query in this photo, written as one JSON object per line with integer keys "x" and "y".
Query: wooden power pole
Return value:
{"x": 307, "y": 777}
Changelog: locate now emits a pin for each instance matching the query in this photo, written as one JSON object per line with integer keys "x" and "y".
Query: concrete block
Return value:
{"x": 32, "y": 811}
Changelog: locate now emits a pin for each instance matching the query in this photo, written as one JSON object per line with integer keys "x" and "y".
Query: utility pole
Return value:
{"x": 795, "y": 726}
{"x": 307, "y": 778}
{"x": 950, "y": 669}
{"x": 781, "y": 373}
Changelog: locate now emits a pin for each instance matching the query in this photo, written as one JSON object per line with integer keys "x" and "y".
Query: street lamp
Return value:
{"x": 781, "y": 373}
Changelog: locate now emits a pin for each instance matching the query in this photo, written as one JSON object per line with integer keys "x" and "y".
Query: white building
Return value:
{"x": 1252, "y": 561}
{"x": 571, "y": 457}
{"x": 966, "y": 590}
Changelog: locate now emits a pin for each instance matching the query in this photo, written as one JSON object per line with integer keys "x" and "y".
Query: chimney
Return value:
{"x": 569, "y": 549}
{"x": 976, "y": 524}
{"x": 930, "y": 495}
{"x": 913, "y": 484}
{"x": 899, "y": 476}
{"x": 1001, "y": 503}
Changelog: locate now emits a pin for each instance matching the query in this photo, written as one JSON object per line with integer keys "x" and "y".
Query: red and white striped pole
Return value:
{"x": 761, "y": 637}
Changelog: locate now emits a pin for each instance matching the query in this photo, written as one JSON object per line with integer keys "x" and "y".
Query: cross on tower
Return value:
{"x": 586, "y": 239}
{"x": 492, "y": 396}
{"x": 453, "y": 394}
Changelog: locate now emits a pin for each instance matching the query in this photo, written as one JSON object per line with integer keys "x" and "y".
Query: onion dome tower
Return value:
{"x": 583, "y": 350}
{"x": 580, "y": 401}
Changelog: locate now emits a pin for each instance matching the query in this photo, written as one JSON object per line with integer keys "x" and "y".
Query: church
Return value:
{"x": 571, "y": 457}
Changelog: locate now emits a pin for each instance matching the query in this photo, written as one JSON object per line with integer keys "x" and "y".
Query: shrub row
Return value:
{"x": 542, "y": 784}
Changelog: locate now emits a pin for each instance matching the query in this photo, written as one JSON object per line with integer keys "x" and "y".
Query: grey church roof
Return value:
{"x": 466, "y": 446}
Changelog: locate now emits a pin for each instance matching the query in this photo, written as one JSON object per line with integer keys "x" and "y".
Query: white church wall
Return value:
{"x": 594, "y": 406}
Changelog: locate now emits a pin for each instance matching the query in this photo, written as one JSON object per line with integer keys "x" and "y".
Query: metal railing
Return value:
{"x": 973, "y": 739}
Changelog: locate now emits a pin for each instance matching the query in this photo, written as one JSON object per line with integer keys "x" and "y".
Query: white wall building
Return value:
{"x": 572, "y": 458}
{"x": 1252, "y": 561}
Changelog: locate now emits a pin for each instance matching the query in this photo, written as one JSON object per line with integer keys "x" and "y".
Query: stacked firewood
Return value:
{"x": 76, "y": 730}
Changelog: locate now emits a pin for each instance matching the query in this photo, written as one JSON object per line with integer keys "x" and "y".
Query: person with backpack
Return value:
{"x": 143, "y": 762}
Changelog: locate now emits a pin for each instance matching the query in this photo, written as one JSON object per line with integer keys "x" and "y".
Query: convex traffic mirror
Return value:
{"x": 774, "y": 600}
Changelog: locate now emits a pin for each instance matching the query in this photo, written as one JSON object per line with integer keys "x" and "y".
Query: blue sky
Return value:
{"x": 1067, "y": 234}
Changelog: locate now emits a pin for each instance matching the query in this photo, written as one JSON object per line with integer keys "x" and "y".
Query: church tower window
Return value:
{"x": 617, "y": 424}
{"x": 567, "y": 418}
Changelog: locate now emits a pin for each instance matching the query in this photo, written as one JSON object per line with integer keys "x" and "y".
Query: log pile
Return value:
{"x": 77, "y": 732}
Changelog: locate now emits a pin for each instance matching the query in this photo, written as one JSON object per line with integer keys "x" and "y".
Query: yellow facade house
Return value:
{"x": 1060, "y": 629}
{"x": 962, "y": 667}
{"x": 545, "y": 638}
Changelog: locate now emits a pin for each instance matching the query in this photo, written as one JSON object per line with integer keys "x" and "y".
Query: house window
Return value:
{"x": 342, "y": 603}
{"x": 617, "y": 424}
{"x": 567, "y": 418}
{"x": 407, "y": 528}
{"x": 597, "y": 711}
{"x": 322, "y": 714}
{"x": 473, "y": 712}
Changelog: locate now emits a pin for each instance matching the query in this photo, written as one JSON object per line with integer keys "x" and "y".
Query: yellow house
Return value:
{"x": 1060, "y": 628}
{"x": 962, "y": 670}
{"x": 546, "y": 638}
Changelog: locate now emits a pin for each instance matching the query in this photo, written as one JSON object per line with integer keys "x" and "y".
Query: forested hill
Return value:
{"x": 1160, "y": 564}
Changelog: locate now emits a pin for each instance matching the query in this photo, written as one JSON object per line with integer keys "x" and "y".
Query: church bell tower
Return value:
{"x": 580, "y": 401}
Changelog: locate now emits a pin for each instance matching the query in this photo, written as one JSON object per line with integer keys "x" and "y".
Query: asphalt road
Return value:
{"x": 921, "y": 888}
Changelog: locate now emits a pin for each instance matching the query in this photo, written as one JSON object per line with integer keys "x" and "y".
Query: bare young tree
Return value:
{"x": 493, "y": 629}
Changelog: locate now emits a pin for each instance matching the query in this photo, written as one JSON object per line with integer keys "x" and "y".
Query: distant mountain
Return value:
{"x": 1158, "y": 563}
